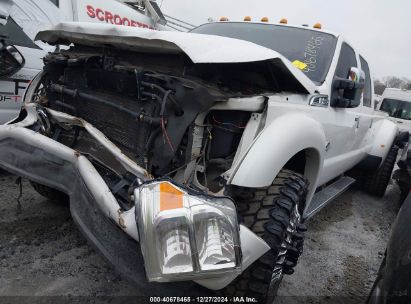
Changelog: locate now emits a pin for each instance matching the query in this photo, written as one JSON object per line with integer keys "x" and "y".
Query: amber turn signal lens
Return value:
{"x": 170, "y": 197}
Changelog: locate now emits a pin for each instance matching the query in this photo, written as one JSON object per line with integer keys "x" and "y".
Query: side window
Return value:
{"x": 367, "y": 97}
{"x": 55, "y": 2}
{"x": 346, "y": 61}
{"x": 390, "y": 106}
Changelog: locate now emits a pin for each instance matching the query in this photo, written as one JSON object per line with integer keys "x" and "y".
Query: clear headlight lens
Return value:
{"x": 186, "y": 235}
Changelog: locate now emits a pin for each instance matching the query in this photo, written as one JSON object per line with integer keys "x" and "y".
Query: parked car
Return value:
{"x": 15, "y": 75}
{"x": 196, "y": 157}
{"x": 397, "y": 103}
{"x": 393, "y": 283}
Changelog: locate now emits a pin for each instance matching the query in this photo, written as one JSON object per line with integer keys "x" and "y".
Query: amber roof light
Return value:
{"x": 264, "y": 19}
{"x": 247, "y": 18}
{"x": 223, "y": 19}
{"x": 283, "y": 21}
{"x": 317, "y": 26}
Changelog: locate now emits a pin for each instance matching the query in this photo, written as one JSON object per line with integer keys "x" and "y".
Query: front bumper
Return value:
{"x": 95, "y": 209}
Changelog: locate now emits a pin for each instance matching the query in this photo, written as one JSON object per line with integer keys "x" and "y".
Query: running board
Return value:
{"x": 327, "y": 194}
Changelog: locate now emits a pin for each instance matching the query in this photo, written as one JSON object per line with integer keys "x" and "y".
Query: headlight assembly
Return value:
{"x": 186, "y": 235}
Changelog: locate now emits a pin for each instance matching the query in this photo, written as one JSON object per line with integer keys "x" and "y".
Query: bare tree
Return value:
{"x": 406, "y": 84}
{"x": 393, "y": 82}
{"x": 379, "y": 87}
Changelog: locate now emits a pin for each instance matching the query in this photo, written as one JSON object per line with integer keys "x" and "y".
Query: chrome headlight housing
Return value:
{"x": 186, "y": 235}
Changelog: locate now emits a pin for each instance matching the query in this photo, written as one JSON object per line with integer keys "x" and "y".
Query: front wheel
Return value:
{"x": 49, "y": 193}
{"x": 274, "y": 214}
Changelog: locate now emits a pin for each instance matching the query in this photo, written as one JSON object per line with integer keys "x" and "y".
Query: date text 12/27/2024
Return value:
{"x": 202, "y": 300}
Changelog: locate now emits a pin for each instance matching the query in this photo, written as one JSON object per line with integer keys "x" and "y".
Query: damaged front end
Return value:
{"x": 142, "y": 144}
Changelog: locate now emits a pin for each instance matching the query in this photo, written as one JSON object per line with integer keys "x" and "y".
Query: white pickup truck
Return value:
{"x": 196, "y": 157}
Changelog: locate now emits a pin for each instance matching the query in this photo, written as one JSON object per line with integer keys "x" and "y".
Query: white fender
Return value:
{"x": 275, "y": 146}
{"x": 386, "y": 132}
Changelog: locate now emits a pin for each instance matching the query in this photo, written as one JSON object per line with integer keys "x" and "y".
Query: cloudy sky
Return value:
{"x": 380, "y": 29}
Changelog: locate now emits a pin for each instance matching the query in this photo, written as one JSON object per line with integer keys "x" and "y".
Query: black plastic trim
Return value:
{"x": 370, "y": 163}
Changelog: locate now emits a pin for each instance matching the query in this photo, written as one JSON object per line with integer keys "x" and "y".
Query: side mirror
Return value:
{"x": 347, "y": 91}
{"x": 11, "y": 60}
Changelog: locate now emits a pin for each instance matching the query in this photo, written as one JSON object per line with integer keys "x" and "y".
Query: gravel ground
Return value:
{"x": 343, "y": 250}
{"x": 43, "y": 254}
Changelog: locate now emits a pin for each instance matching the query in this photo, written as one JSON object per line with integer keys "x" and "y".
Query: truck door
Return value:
{"x": 343, "y": 130}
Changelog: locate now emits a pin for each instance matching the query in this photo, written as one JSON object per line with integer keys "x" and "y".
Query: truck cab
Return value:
{"x": 343, "y": 102}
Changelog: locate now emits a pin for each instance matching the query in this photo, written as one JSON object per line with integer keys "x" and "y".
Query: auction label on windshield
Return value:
{"x": 203, "y": 300}
{"x": 300, "y": 65}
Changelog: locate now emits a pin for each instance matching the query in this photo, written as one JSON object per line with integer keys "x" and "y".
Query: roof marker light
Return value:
{"x": 247, "y": 18}
{"x": 223, "y": 19}
{"x": 284, "y": 21}
{"x": 264, "y": 19}
{"x": 317, "y": 26}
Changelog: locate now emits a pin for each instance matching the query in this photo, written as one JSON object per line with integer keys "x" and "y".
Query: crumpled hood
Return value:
{"x": 198, "y": 47}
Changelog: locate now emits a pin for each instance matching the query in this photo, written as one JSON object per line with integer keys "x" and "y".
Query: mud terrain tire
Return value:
{"x": 376, "y": 182}
{"x": 49, "y": 193}
{"x": 273, "y": 213}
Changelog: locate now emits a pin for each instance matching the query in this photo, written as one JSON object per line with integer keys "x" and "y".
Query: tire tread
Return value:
{"x": 268, "y": 214}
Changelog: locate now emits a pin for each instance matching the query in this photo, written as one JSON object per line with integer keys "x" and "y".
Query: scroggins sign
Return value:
{"x": 129, "y": 18}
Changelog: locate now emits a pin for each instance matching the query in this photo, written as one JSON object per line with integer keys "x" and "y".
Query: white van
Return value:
{"x": 21, "y": 20}
{"x": 397, "y": 103}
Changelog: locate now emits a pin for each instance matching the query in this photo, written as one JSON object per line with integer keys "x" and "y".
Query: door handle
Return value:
{"x": 357, "y": 120}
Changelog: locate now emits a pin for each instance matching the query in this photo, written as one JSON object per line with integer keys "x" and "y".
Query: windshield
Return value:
{"x": 397, "y": 108}
{"x": 311, "y": 51}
